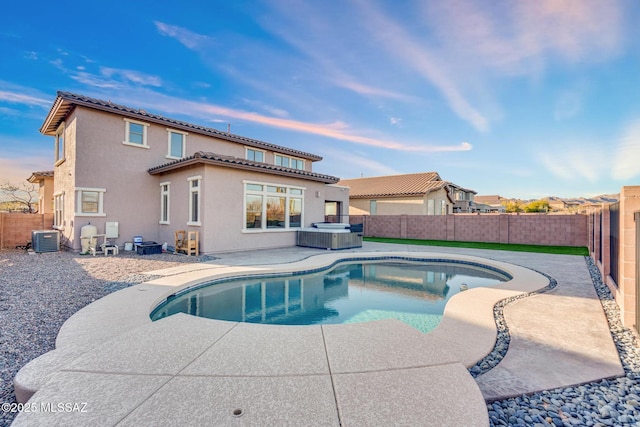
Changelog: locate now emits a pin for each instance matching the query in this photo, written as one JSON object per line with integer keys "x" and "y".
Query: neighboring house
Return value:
{"x": 492, "y": 203}
{"x": 411, "y": 194}
{"x": 45, "y": 190}
{"x": 463, "y": 199}
{"x": 154, "y": 175}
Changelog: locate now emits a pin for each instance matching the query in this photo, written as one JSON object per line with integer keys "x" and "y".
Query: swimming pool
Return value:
{"x": 412, "y": 291}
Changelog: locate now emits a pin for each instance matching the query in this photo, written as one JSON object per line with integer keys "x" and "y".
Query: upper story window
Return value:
{"x": 194, "y": 200}
{"x": 289, "y": 162}
{"x": 177, "y": 144}
{"x": 135, "y": 133}
{"x": 255, "y": 155}
{"x": 59, "y": 145}
{"x": 90, "y": 201}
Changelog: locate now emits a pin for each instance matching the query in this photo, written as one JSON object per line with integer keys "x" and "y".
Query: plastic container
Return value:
{"x": 148, "y": 248}
{"x": 137, "y": 240}
{"x": 85, "y": 237}
{"x": 128, "y": 246}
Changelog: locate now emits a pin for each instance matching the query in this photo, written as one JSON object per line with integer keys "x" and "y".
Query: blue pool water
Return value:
{"x": 410, "y": 291}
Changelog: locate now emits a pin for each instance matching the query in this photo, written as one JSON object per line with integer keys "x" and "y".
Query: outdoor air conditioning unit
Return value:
{"x": 45, "y": 241}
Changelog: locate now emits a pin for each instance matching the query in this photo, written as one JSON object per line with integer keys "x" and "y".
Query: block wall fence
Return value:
{"x": 529, "y": 229}
{"x": 15, "y": 228}
{"x": 614, "y": 240}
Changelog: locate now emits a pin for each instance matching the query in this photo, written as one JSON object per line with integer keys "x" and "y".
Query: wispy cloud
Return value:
{"x": 14, "y": 97}
{"x": 335, "y": 130}
{"x": 366, "y": 90}
{"x": 132, "y": 76}
{"x": 415, "y": 54}
{"x": 627, "y": 154}
{"x": 278, "y": 112}
{"x": 522, "y": 37}
{"x": 188, "y": 38}
{"x": 113, "y": 78}
{"x": 575, "y": 161}
{"x": 568, "y": 105}
{"x": 360, "y": 164}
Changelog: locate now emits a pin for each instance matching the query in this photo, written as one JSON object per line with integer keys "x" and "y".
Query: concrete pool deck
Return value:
{"x": 191, "y": 371}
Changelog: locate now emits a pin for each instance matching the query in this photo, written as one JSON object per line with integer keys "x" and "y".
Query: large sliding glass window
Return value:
{"x": 272, "y": 206}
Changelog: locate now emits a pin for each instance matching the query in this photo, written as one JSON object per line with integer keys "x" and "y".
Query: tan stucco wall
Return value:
{"x": 400, "y": 205}
{"x": 45, "y": 195}
{"x": 64, "y": 180}
{"x": 222, "y": 214}
{"x": 132, "y": 196}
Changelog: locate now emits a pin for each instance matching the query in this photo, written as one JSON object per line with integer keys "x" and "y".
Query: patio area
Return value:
{"x": 191, "y": 371}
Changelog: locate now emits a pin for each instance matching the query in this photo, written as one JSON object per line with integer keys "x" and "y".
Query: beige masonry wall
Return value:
{"x": 16, "y": 228}
{"x": 624, "y": 289}
{"x": 533, "y": 229}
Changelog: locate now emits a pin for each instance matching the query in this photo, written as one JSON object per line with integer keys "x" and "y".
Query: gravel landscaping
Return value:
{"x": 39, "y": 292}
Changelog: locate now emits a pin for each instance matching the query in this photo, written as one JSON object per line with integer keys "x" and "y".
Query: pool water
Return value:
{"x": 412, "y": 292}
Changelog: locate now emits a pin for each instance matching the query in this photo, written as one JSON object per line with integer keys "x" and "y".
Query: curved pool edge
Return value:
{"x": 466, "y": 334}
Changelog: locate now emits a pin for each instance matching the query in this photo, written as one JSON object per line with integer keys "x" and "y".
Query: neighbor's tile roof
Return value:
{"x": 66, "y": 101}
{"x": 201, "y": 157}
{"x": 415, "y": 184}
{"x": 38, "y": 175}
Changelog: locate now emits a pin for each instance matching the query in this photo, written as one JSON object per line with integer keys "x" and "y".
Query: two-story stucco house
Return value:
{"x": 154, "y": 175}
{"x": 408, "y": 194}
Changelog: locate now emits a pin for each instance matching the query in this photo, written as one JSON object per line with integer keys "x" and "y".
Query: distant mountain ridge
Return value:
{"x": 604, "y": 198}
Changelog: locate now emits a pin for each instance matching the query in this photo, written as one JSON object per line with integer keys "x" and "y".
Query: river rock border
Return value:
{"x": 608, "y": 402}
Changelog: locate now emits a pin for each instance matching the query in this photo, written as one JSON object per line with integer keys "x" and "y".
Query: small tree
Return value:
{"x": 512, "y": 206}
{"x": 537, "y": 206}
{"x": 24, "y": 195}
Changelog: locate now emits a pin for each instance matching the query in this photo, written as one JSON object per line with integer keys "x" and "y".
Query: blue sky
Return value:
{"x": 523, "y": 99}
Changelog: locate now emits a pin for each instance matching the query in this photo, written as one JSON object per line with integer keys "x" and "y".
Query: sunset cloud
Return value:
{"x": 188, "y": 38}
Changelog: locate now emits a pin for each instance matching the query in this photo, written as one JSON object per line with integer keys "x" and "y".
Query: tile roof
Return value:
{"x": 202, "y": 157}
{"x": 66, "y": 101}
{"x": 415, "y": 184}
{"x": 38, "y": 175}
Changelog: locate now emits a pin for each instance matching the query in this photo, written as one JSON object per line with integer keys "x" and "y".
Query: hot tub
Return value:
{"x": 329, "y": 236}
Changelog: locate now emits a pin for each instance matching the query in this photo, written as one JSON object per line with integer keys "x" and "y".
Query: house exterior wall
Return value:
{"x": 45, "y": 195}
{"x": 64, "y": 181}
{"x": 223, "y": 204}
{"x": 401, "y": 205}
{"x": 96, "y": 158}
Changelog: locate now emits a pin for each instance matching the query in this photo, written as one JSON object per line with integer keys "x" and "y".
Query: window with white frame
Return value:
{"x": 58, "y": 210}
{"x": 164, "y": 203}
{"x": 59, "y": 148}
{"x": 194, "y": 200}
{"x": 255, "y": 155}
{"x": 443, "y": 207}
{"x": 289, "y": 162}
{"x": 135, "y": 133}
{"x": 273, "y": 206}
{"x": 431, "y": 207}
{"x": 177, "y": 144}
{"x": 90, "y": 201}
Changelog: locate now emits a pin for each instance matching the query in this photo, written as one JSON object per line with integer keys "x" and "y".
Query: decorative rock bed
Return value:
{"x": 613, "y": 402}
